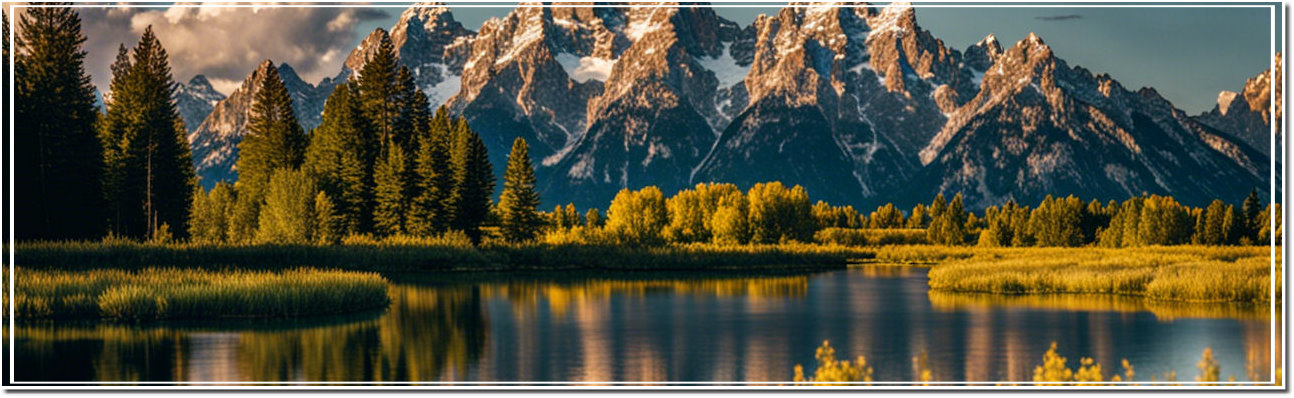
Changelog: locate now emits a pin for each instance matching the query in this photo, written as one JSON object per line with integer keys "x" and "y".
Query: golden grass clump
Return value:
{"x": 170, "y": 293}
{"x": 1181, "y": 273}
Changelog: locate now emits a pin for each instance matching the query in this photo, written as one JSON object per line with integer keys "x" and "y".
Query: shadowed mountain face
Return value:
{"x": 215, "y": 141}
{"x": 1039, "y": 127}
{"x": 858, "y": 104}
{"x": 195, "y": 100}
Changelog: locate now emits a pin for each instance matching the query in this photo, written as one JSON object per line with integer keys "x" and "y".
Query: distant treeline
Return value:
{"x": 773, "y": 213}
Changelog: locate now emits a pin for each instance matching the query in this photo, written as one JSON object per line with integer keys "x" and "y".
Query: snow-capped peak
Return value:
{"x": 989, "y": 40}
{"x": 1224, "y": 100}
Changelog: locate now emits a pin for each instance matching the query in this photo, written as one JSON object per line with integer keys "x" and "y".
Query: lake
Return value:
{"x": 627, "y": 327}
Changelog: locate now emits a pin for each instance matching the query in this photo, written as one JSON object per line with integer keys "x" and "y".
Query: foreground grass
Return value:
{"x": 417, "y": 254}
{"x": 1179, "y": 273}
{"x": 169, "y": 293}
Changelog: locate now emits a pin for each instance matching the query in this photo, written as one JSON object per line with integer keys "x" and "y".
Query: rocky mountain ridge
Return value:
{"x": 857, "y": 103}
{"x": 195, "y": 100}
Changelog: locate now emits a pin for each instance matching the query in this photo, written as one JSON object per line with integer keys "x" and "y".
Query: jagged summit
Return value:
{"x": 1040, "y": 127}
{"x": 199, "y": 81}
{"x": 214, "y": 141}
{"x": 1247, "y": 114}
{"x": 858, "y": 103}
{"x": 195, "y": 100}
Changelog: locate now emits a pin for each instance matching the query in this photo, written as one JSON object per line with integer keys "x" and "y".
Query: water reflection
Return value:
{"x": 652, "y": 327}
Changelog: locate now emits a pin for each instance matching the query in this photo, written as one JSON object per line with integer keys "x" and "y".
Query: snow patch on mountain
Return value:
{"x": 440, "y": 93}
{"x": 582, "y": 69}
{"x": 725, "y": 67}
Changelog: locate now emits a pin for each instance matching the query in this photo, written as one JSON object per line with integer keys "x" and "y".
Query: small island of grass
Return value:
{"x": 174, "y": 294}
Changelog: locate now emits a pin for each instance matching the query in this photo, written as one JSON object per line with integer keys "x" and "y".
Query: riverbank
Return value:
{"x": 1177, "y": 273}
{"x": 419, "y": 255}
{"x": 194, "y": 294}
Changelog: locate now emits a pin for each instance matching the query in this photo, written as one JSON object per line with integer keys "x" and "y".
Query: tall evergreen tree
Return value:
{"x": 948, "y": 223}
{"x": 60, "y": 162}
{"x": 519, "y": 200}
{"x": 392, "y": 201}
{"x": 341, "y": 156}
{"x": 1253, "y": 208}
{"x": 4, "y": 149}
{"x": 473, "y": 181}
{"x": 150, "y": 176}
{"x": 274, "y": 141}
{"x": 431, "y": 208}
{"x": 414, "y": 118}
{"x": 379, "y": 91}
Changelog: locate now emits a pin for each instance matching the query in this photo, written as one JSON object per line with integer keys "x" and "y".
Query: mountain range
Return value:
{"x": 858, "y": 104}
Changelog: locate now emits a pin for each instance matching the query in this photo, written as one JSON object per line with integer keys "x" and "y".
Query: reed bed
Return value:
{"x": 1179, "y": 273}
{"x": 871, "y": 237}
{"x": 924, "y": 254}
{"x": 171, "y": 293}
{"x": 405, "y": 254}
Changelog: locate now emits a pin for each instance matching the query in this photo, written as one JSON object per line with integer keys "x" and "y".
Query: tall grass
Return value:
{"x": 1180, "y": 273}
{"x": 407, "y": 254}
{"x": 871, "y": 236}
{"x": 170, "y": 293}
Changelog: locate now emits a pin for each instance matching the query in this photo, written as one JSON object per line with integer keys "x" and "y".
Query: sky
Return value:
{"x": 1188, "y": 54}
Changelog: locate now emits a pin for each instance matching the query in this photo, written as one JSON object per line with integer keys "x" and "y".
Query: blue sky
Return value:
{"x": 1187, "y": 54}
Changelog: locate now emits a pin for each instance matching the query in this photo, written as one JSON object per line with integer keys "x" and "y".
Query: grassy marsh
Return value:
{"x": 1180, "y": 273}
{"x": 406, "y": 254}
{"x": 170, "y": 293}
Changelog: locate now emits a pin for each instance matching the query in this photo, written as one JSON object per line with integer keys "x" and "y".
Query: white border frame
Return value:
{"x": 11, "y": 383}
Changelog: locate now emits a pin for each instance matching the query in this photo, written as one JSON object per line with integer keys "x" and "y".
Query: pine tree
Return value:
{"x": 948, "y": 226}
{"x": 340, "y": 157}
{"x": 473, "y": 181}
{"x": 59, "y": 166}
{"x": 1214, "y": 231}
{"x": 518, "y": 202}
{"x": 4, "y": 153}
{"x": 431, "y": 209}
{"x": 391, "y": 208}
{"x": 150, "y": 175}
{"x": 379, "y": 91}
{"x": 414, "y": 118}
{"x": 274, "y": 139}
{"x": 1233, "y": 226}
{"x": 1253, "y": 209}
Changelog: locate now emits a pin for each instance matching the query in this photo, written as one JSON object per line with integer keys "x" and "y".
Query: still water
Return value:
{"x": 635, "y": 327}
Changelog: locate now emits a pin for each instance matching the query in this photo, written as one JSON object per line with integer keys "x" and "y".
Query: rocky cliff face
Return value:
{"x": 1040, "y": 127}
{"x": 857, "y": 103}
{"x": 195, "y": 100}
{"x": 215, "y": 141}
{"x": 421, "y": 37}
{"x": 653, "y": 120}
{"x": 1247, "y": 115}
{"x": 842, "y": 97}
